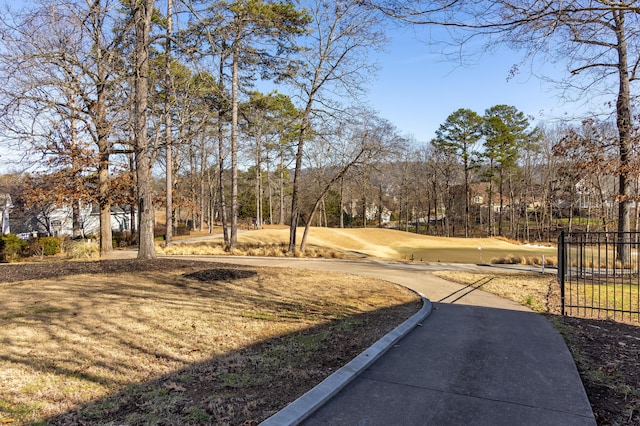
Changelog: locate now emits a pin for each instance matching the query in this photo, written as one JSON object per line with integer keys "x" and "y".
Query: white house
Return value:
{"x": 60, "y": 221}
{"x": 353, "y": 209}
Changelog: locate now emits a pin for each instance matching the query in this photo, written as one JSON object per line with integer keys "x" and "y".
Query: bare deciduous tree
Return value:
{"x": 61, "y": 63}
{"x": 142, "y": 11}
{"x": 334, "y": 62}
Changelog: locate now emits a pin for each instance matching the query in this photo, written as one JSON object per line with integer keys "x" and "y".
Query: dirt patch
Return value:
{"x": 607, "y": 355}
{"x": 46, "y": 270}
{"x": 208, "y": 275}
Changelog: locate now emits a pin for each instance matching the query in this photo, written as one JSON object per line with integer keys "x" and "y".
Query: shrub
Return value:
{"x": 182, "y": 229}
{"x": 84, "y": 250}
{"x": 159, "y": 231}
{"x": 12, "y": 247}
{"x": 50, "y": 246}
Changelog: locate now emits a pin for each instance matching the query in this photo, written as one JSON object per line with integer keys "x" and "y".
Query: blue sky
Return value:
{"x": 417, "y": 88}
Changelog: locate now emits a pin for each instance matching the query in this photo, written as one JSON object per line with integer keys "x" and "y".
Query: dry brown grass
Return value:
{"x": 510, "y": 259}
{"x": 540, "y": 292}
{"x": 375, "y": 243}
{"x": 269, "y": 249}
{"x": 150, "y": 346}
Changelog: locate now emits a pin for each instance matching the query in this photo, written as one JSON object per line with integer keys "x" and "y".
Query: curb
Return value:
{"x": 304, "y": 406}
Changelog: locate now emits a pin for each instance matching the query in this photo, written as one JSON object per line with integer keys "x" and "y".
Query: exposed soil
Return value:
{"x": 34, "y": 271}
{"x": 607, "y": 355}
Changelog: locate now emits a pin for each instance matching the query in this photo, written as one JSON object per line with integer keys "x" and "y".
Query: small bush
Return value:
{"x": 510, "y": 259}
{"x": 84, "y": 250}
{"x": 123, "y": 238}
{"x": 159, "y": 231}
{"x": 521, "y": 260}
{"x": 50, "y": 246}
{"x": 179, "y": 230}
{"x": 12, "y": 248}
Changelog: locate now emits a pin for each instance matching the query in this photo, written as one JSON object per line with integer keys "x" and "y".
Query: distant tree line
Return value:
{"x": 489, "y": 175}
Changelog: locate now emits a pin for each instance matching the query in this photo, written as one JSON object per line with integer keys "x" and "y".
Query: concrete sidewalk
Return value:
{"x": 467, "y": 365}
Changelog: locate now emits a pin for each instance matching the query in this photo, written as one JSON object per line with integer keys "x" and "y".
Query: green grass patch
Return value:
{"x": 259, "y": 315}
{"x": 311, "y": 342}
{"x": 9, "y": 412}
{"x": 477, "y": 254}
{"x": 610, "y": 298}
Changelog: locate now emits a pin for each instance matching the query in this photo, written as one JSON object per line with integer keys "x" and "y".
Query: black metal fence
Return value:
{"x": 599, "y": 274}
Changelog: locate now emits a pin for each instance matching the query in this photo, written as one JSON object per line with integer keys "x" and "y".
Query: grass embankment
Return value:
{"x": 179, "y": 342}
{"x": 375, "y": 243}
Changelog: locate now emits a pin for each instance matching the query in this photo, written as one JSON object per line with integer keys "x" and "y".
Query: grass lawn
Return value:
{"x": 619, "y": 299}
{"x": 372, "y": 243}
{"x": 178, "y": 342}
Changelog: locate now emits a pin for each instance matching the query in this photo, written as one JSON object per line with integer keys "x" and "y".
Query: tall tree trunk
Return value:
{"x": 490, "y": 230}
{"x": 106, "y": 243}
{"x": 341, "y": 212}
{"x": 233, "y": 239}
{"x": 203, "y": 180}
{"x": 99, "y": 110}
{"x": 467, "y": 198}
{"x": 501, "y": 212}
{"x": 380, "y": 207}
{"x": 75, "y": 219}
{"x": 76, "y": 168}
{"x": 258, "y": 182}
{"x": 168, "y": 235}
{"x": 270, "y": 187}
{"x": 295, "y": 207}
{"x": 623, "y": 109}
{"x": 221, "y": 174}
{"x": 281, "y": 189}
{"x": 213, "y": 194}
{"x": 142, "y": 19}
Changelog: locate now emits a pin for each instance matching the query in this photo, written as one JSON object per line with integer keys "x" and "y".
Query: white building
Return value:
{"x": 60, "y": 221}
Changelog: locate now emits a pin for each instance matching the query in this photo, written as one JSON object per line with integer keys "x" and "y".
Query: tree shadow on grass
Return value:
{"x": 243, "y": 386}
{"x": 167, "y": 349}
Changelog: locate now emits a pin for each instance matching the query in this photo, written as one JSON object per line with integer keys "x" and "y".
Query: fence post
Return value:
{"x": 561, "y": 268}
